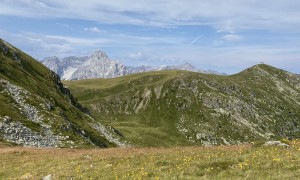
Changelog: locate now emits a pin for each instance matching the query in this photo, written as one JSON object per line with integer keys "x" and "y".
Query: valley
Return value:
{"x": 151, "y": 125}
{"x": 171, "y": 108}
{"x": 149, "y": 90}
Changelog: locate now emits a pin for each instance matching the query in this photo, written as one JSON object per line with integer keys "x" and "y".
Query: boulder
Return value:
{"x": 48, "y": 177}
{"x": 276, "y": 143}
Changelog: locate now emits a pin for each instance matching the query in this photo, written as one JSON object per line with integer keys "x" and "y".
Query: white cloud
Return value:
{"x": 42, "y": 45}
{"x": 225, "y": 59}
{"x": 38, "y": 45}
{"x": 136, "y": 55}
{"x": 226, "y": 16}
{"x": 63, "y": 25}
{"x": 232, "y": 37}
{"x": 93, "y": 29}
{"x": 232, "y": 19}
{"x": 235, "y": 59}
{"x": 227, "y": 26}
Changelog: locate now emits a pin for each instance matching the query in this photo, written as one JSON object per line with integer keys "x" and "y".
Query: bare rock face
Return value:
{"x": 99, "y": 66}
{"x": 53, "y": 63}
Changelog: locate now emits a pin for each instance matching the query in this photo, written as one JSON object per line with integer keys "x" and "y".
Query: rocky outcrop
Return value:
{"x": 276, "y": 143}
{"x": 67, "y": 93}
{"x": 20, "y": 95}
{"x": 108, "y": 135}
{"x": 17, "y": 133}
{"x": 34, "y": 117}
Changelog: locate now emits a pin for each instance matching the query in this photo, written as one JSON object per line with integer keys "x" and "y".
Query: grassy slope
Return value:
{"x": 147, "y": 129}
{"x": 22, "y": 70}
{"x": 219, "y": 162}
{"x": 211, "y": 104}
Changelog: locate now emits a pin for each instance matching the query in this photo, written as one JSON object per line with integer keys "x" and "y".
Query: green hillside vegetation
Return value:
{"x": 169, "y": 108}
{"x": 217, "y": 162}
{"x": 34, "y": 102}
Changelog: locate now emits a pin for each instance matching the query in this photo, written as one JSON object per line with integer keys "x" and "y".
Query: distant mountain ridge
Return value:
{"x": 99, "y": 65}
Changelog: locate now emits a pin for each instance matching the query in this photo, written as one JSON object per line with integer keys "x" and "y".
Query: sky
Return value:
{"x": 223, "y": 35}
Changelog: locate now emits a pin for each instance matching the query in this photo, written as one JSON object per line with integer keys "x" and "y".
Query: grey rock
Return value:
{"x": 27, "y": 176}
{"x": 48, "y": 177}
{"x": 20, "y": 134}
{"x": 276, "y": 143}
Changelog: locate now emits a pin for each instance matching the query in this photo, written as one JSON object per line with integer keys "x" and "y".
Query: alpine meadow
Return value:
{"x": 243, "y": 116}
{"x": 149, "y": 89}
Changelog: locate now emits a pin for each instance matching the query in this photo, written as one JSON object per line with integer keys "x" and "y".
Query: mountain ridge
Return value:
{"x": 99, "y": 65}
{"x": 186, "y": 108}
{"x": 37, "y": 110}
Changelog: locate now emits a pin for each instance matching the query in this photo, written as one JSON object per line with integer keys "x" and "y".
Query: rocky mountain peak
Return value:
{"x": 188, "y": 65}
{"x": 54, "y": 64}
{"x": 99, "y": 55}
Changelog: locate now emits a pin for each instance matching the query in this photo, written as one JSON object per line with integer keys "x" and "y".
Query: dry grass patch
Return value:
{"x": 234, "y": 162}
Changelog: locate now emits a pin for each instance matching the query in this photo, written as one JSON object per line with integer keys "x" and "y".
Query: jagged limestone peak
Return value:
{"x": 99, "y": 55}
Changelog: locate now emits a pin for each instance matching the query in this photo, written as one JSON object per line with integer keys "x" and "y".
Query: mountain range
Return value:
{"x": 99, "y": 65}
{"x": 158, "y": 108}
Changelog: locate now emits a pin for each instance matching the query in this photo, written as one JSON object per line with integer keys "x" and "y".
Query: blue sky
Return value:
{"x": 226, "y": 36}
